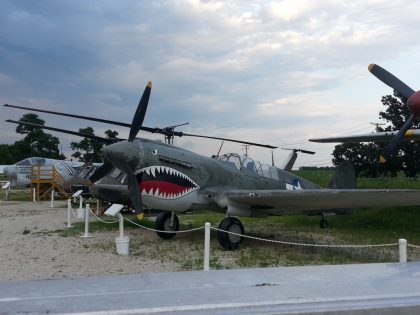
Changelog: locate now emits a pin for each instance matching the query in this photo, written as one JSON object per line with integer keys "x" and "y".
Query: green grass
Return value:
{"x": 319, "y": 177}
{"x": 323, "y": 177}
{"x": 364, "y": 226}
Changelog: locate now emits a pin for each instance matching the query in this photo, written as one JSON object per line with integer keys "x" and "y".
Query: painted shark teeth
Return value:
{"x": 156, "y": 171}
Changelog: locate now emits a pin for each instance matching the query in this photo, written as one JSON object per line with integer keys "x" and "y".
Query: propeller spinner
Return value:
{"x": 413, "y": 104}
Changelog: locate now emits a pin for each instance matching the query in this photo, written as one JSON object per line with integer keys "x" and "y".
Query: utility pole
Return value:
{"x": 246, "y": 148}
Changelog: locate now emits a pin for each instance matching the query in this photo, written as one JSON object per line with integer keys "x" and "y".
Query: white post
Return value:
{"x": 402, "y": 245}
{"x": 80, "y": 202}
{"x": 86, "y": 235}
{"x": 34, "y": 194}
{"x": 121, "y": 224}
{"x": 97, "y": 206}
{"x": 207, "y": 246}
{"x": 122, "y": 243}
{"x": 68, "y": 213}
{"x": 81, "y": 212}
{"x": 52, "y": 199}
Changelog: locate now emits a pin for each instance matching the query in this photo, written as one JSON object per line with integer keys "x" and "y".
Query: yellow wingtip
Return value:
{"x": 149, "y": 84}
{"x": 371, "y": 66}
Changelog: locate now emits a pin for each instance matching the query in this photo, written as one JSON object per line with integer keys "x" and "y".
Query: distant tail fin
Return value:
{"x": 344, "y": 178}
{"x": 290, "y": 161}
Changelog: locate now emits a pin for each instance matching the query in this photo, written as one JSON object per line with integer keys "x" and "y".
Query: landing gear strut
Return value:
{"x": 323, "y": 223}
{"x": 167, "y": 221}
{"x": 227, "y": 240}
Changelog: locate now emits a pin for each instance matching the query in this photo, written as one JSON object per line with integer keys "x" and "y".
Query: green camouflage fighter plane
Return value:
{"x": 174, "y": 180}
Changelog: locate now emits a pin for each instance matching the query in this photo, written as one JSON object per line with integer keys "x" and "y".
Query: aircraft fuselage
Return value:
{"x": 174, "y": 179}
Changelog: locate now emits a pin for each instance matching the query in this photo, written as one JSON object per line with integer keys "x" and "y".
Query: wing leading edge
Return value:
{"x": 306, "y": 201}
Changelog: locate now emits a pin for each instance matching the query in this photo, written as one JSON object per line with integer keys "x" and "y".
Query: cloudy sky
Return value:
{"x": 276, "y": 72}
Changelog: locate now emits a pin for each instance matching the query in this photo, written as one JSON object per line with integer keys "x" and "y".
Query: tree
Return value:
{"x": 31, "y": 118}
{"x": 6, "y": 154}
{"x": 365, "y": 155}
{"x": 36, "y": 142}
{"x": 89, "y": 150}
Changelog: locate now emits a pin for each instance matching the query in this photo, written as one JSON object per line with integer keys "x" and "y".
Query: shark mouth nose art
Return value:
{"x": 164, "y": 182}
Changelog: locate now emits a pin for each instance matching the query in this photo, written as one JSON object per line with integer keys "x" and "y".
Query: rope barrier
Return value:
{"x": 72, "y": 211}
{"x": 162, "y": 231}
{"x": 103, "y": 221}
{"x": 251, "y": 237}
{"x": 303, "y": 244}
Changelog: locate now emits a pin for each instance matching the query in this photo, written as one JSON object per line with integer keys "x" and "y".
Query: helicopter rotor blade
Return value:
{"x": 299, "y": 150}
{"x": 75, "y": 133}
{"x": 164, "y": 131}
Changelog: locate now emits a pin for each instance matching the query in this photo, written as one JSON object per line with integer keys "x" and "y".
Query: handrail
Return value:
{"x": 46, "y": 175}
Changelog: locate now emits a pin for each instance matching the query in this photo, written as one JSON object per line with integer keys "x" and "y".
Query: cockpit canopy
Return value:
{"x": 31, "y": 161}
{"x": 242, "y": 162}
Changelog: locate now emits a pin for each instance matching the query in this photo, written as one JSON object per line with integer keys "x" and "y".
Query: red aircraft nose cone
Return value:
{"x": 413, "y": 104}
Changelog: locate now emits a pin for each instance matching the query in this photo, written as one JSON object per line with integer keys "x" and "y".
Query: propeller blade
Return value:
{"x": 390, "y": 80}
{"x": 396, "y": 140}
{"x": 140, "y": 112}
{"x": 134, "y": 189}
{"x": 101, "y": 172}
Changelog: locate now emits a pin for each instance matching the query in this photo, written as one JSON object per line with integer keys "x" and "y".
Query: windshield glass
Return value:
{"x": 245, "y": 162}
{"x": 25, "y": 162}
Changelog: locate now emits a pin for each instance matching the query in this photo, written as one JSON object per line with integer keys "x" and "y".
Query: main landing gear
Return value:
{"x": 323, "y": 223}
{"x": 227, "y": 240}
{"x": 167, "y": 221}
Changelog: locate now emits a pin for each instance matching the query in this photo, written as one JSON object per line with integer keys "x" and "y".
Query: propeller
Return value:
{"x": 125, "y": 155}
{"x": 413, "y": 104}
{"x": 101, "y": 172}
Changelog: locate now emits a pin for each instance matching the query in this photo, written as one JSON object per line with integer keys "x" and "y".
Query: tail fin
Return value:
{"x": 344, "y": 178}
{"x": 291, "y": 161}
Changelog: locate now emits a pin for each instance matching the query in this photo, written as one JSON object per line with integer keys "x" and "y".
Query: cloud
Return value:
{"x": 220, "y": 65}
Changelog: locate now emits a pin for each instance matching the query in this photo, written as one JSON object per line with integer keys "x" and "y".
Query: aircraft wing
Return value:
{"x": 292, "y": 201}
{"x": 413, "y": 134}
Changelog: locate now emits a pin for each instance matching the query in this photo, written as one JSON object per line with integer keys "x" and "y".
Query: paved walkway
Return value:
{"x": 345, "y": 289}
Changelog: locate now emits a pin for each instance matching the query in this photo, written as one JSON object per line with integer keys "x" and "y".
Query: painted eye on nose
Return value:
{"x": 154, "y": 152}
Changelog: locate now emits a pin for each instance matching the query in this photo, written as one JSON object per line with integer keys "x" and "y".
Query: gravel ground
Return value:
{"x": 32, "y": 249}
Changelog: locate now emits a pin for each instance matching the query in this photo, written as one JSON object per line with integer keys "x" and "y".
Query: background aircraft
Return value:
{"x": 395, "y": 137}
{"x": 161, "y": 176}
{"x": 20, "y": 173}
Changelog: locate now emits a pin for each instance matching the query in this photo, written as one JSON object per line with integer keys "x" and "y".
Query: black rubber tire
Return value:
{"x": 229, "y": 241}
{"x": 323, "y": 224}
{"x": 162, "y": 223}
